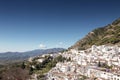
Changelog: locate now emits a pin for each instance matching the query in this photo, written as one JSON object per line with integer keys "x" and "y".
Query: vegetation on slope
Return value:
{"x": 24, "y": 70}
{"x": 41, "y": 68}
{"x": 109, "y": 35}
{"x": 13, "y": 72}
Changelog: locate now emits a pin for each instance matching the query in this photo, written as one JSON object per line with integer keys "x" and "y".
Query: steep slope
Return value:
{"x": 108, "y": 35}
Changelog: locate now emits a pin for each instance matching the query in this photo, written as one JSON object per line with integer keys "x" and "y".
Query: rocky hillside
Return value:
{"x": 108, "y": 35}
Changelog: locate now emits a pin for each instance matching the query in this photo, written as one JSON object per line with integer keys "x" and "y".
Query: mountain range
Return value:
{"x": 18, "y": 56}
{"x": 107, "y": 35}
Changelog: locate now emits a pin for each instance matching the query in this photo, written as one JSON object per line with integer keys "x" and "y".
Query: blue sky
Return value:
{"x": 40, "y": 24}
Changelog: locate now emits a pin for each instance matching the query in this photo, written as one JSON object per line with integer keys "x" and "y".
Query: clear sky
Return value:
{"x": 35, "y": 24}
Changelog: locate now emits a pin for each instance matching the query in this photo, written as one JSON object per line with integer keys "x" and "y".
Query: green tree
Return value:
{"x": 23, "y": 65}
{"x": 31, "y": 70}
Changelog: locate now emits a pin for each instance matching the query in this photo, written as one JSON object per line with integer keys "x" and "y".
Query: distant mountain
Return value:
{"x": 18, "y": 56}
{"x": 107, "y": 35}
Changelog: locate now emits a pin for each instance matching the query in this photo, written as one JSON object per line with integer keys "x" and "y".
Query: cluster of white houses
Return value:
{"x": 86, "y": 63}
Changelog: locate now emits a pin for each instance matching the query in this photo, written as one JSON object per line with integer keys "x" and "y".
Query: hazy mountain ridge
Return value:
{"x": 18, "y": 56}
{"x": 107, "y": 35}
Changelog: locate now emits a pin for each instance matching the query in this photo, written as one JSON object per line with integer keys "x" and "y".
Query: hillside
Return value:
{"x": 107, "y": 35}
